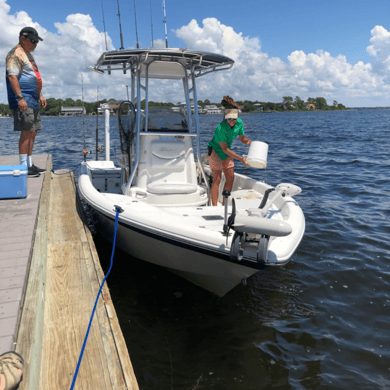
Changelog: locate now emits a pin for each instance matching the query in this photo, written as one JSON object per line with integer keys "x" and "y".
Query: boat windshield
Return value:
{"x": 167, "y": 119}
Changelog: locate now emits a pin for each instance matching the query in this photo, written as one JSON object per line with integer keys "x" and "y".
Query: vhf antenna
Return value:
{"x": 120, "y": 26}
{"x": 82, "y": 98}
{"x": 104, "y": 26}
{"x": 165, "y": 22}
{"x": 97, "y": 124}
{"x": 136, "y": 31}
{"x": 151, "y": 21}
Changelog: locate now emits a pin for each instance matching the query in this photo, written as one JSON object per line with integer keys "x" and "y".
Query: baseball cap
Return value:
{"x": 231, "y": 114}
{"x": 30, "y": 32}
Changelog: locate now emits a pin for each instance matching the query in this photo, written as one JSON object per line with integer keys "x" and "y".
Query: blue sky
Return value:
{"x": 284, "y": 47}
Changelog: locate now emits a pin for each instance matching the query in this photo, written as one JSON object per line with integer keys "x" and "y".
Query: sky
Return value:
{"x": 339, "y": 50}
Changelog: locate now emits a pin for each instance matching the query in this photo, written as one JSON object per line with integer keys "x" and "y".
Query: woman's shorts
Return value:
{"x": 29, "y": 120}
{"x": 216, "y": 164}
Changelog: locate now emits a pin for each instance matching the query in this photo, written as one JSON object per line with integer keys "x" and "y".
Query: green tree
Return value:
{"x": 299, "y": 103}
{"x": 69, "y": 103}
{"x": 5, "y": 110}
{"x": 311, "y": 101}
{"x": 320, "y": 103}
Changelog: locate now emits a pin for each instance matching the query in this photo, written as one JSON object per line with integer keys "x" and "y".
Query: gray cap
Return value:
{"x": 30, "y": 32}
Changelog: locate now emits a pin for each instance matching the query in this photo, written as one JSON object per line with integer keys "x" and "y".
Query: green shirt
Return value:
{"x": 224, "y": 133}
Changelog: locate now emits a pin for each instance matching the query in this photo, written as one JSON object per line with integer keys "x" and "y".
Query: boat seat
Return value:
{"x": 171, "y": 188}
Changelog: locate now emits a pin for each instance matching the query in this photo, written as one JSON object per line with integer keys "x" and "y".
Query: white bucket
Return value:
{"x": 257, "y": 155}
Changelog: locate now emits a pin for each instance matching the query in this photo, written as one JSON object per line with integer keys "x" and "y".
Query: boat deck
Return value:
{"x": 50, "y": 276}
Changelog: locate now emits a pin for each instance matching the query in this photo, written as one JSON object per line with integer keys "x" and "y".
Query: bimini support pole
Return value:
{"x": 135, "y": 79}
{"x": 195, "y": 95}
{"x": 107, "y": 130}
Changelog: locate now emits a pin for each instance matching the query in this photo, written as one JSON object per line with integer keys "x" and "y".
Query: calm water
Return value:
{"x": 322, "y": 321}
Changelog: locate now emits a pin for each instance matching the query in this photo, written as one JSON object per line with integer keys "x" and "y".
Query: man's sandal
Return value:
{"x": 11, "y": 374}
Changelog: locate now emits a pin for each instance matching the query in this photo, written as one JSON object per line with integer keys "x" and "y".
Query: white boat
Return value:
{"x": 163, "y": 189}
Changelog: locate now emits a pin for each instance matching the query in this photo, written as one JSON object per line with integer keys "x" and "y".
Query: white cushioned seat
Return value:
{"x": 171, "y": 188}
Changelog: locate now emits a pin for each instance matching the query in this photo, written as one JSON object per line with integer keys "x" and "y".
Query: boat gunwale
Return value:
{"x": 165, "y": 235}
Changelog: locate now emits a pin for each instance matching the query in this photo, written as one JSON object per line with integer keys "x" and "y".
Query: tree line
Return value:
{"x": 288, "y": 104}
{"x": 53, "y": 107}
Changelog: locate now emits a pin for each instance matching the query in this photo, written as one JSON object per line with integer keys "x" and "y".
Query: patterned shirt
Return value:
{"x": 22, "y": 64}
{"x": 224, "y": 133}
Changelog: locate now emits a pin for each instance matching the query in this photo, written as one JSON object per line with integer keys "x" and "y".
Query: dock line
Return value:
{"x": 118, "y": 210}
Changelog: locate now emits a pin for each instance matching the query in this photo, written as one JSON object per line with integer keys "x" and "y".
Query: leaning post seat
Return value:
{"x": 166, "y": 169}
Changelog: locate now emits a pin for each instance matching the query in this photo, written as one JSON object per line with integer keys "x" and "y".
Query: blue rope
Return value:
{"x": 118, "y": 210}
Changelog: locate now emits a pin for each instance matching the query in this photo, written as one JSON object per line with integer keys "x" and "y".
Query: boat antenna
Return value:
{"x": 120, "y": 26}
{"x": 82, "y": 99}
{"x": 136, "y": 31}
{"x": 104, "y": 26}
{"x": 97, "y": 123}
{"x": 165, "y": 22}
{"x": 151, "y": 22}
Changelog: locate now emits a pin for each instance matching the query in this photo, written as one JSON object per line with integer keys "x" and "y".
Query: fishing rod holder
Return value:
{"x": 226, "y": 195}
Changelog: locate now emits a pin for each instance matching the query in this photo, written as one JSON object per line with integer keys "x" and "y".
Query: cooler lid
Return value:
{"x": 11, "y": 168}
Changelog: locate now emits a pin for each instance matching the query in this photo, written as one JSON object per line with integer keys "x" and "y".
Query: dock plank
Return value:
{"x": 59, "y": 300}
{"x": 18, "y": 218}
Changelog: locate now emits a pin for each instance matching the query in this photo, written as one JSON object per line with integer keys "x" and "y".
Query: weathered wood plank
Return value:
{"x": 29, "y": 336}
{"x": 69, "y": 282}
{"x": 107, "y": 317}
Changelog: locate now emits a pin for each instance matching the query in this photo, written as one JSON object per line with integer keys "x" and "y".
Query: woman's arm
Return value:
{"x": 245, "y": 140}
{"x": 230, "y": 153}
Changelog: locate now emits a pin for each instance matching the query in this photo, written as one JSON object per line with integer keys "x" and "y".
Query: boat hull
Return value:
{"x": 211, "y": 270}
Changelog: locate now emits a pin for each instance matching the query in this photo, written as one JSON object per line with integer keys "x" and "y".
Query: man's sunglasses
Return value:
{"x": 33, "y": 41}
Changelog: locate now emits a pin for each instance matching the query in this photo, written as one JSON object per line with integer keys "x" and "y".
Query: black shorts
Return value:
{"x": 29, "y": 120}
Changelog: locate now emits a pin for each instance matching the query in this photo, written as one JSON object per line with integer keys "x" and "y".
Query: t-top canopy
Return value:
{"x": 162, "y": 63}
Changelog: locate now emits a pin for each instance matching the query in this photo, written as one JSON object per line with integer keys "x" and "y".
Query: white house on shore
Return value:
{"x": 258, "y": 106}
{"x": 72, "y": 111}
{"x": 212, "y": 109}
{"x": 184, "y": 108}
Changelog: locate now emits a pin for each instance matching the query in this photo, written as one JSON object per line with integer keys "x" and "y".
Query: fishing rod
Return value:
{"x": 136, "y": 30}
{"x": 120, "y": 26}
{"x": 104, "y": 26}
{"x": 85, "y": 152}
{"x": 165, "y": 22}
{"x": 151, "y": 22}
{"x": 97, "y": 124}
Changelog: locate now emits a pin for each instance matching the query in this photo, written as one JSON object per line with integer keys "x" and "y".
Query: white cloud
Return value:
{"x": 77, "y": 43}
{"x": 257, "y": 76}
{"x": 63, "y": 56}
{"x": 380, "y": 50}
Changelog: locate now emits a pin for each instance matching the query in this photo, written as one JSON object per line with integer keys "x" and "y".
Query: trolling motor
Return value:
{"x": 256, "y": 223}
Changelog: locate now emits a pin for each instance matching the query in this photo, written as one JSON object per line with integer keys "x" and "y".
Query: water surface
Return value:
{"x": 321, "y": 321}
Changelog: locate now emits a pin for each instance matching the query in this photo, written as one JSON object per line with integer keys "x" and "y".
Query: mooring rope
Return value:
{"x": 118, "y": 210}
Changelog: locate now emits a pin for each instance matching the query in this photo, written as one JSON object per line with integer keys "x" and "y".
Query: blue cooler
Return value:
{"x": 13, "y": 181}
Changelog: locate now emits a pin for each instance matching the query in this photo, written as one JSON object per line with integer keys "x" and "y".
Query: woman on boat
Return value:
{"x": 221, "y": 156}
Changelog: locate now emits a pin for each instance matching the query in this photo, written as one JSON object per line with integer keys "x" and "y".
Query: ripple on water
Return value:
{"x": 321, "y": 321}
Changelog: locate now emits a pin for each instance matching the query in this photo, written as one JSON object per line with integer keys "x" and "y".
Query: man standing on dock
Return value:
{"x": 24, "y": 85}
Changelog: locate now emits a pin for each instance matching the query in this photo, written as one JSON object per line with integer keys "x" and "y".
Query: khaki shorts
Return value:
{"x": 29, "y": 120}
{"x": 216, "y": 164}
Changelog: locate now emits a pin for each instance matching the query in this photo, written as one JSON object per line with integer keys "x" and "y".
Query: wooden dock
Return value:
{"x": 55, "y": 301}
